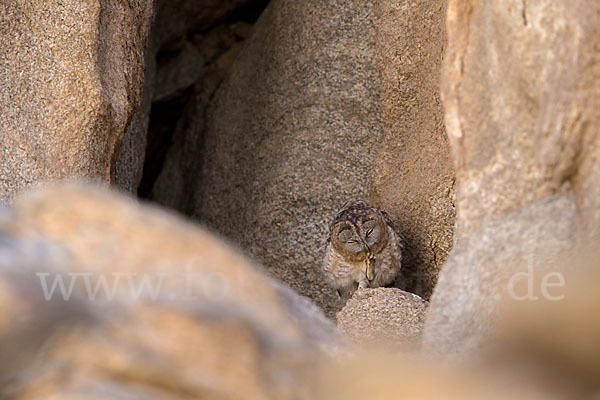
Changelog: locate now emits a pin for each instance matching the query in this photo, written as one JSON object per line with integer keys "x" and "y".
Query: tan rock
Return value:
{"x": 484, "y": 269}
{"x": 27, "y": 319}
{"x": 521, "y": 94}
{"x": 207, "y": 323}
{"x": 187, "y": 38}
{"x": 292, "y": 135}
{"x": 396, "y": 377}
{"x": 295, "y": 131}
{"x": 71, "y": 75}
{"x": 384, "y": 317}
{"x": 413, "y": 178}
{"x": 554, "y": 340}
{"x": 245, "y": 343}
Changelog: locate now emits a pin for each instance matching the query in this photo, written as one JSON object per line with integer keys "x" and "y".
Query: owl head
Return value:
{"x": 359, "y": 231}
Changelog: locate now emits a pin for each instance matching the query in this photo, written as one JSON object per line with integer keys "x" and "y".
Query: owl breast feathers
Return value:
{"x": 363, "y": 249}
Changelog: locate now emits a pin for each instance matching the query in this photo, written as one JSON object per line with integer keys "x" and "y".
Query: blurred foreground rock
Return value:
{"x": 384, "y": 318}
{"x": 484, "y": 268}
{"x": 227, "y": 331}
{"x": 208, "y": 323}
{"x": 545, "y": 348}
{"x": 555, "y": 341}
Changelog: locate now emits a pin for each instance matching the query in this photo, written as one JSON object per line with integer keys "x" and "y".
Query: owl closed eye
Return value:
{"x": 363, "y": 249}
{"x": 350, "y": 242}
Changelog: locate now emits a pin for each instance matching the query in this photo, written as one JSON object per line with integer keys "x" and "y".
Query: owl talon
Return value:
{"x": 362, "y": 285}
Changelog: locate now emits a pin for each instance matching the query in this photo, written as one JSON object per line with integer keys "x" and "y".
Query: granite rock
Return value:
{"x": 71, "y": 77}
{"x": 166, "y": 310}
{"x": 384, "y": 317}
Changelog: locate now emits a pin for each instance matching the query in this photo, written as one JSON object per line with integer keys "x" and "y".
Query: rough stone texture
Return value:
{"x": 211, "y": 54}
{"x": 386, "y": 317}
{"x": 216, "y": 327}
{"x": 293, "y": 134}
{"x": 413, "y": 178}
{"x": 130, "y": 163}
{"x": 242, "y": 337}
{"x": 479, "y": 274}
{"x": 70, "y": 79}
{"x": 522, "y": 109}
{"x": 521, "y": 91}
{"x": 243, "y": 165}
{"x": 186, "y": 44}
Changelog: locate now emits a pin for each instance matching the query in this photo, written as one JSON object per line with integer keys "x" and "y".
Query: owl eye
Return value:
{"x": 369, "y": 232}
{"x": 351, "y": 241}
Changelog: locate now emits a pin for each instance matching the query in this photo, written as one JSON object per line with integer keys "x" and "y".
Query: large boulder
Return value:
{"x": 71, "y": 77}
{"x": 413, "y": 177}
{"x": 218, "y": 328}
{"x": 150, "y": 306}
{"x": 187, "y": 39}
{"x": 522, "y": 109}
{"x": 296, "y": 130}
{"x": 293, "y": 133}
{"x": 485, "y": 269}
{"x": 521, "y": 94}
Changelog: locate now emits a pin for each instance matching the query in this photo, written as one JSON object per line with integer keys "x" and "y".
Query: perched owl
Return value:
{"x": 363, "y": 250}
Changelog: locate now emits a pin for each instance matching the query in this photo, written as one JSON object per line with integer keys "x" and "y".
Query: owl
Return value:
{"x": 363, "y": 249}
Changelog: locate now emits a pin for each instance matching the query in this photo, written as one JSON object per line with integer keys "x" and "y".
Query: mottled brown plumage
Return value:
{"x": 363, "y": 249}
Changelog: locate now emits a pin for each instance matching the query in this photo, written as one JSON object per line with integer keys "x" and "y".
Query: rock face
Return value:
{"x": 296, "y": 129}
{"x": 484, "y": 269}
{"x": 413, "y": 178}
{"x": 522, "y": 122}
{"x": 522, "y": 119}
{"x": 185, "y": 49}
{"x": 293, "y": 134}
{"x": 71, "y": 75}
{"x": 205, "y": 322}
{"x": 384, "y": 317}
{"x": 185, "y": 87}
{"x": 130, "y": 163}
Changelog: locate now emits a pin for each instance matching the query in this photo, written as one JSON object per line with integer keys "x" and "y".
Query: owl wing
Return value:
{"x": 338, "y": 273}
{"x": 329, "y": 263}
{"x": 388, "y": 221}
